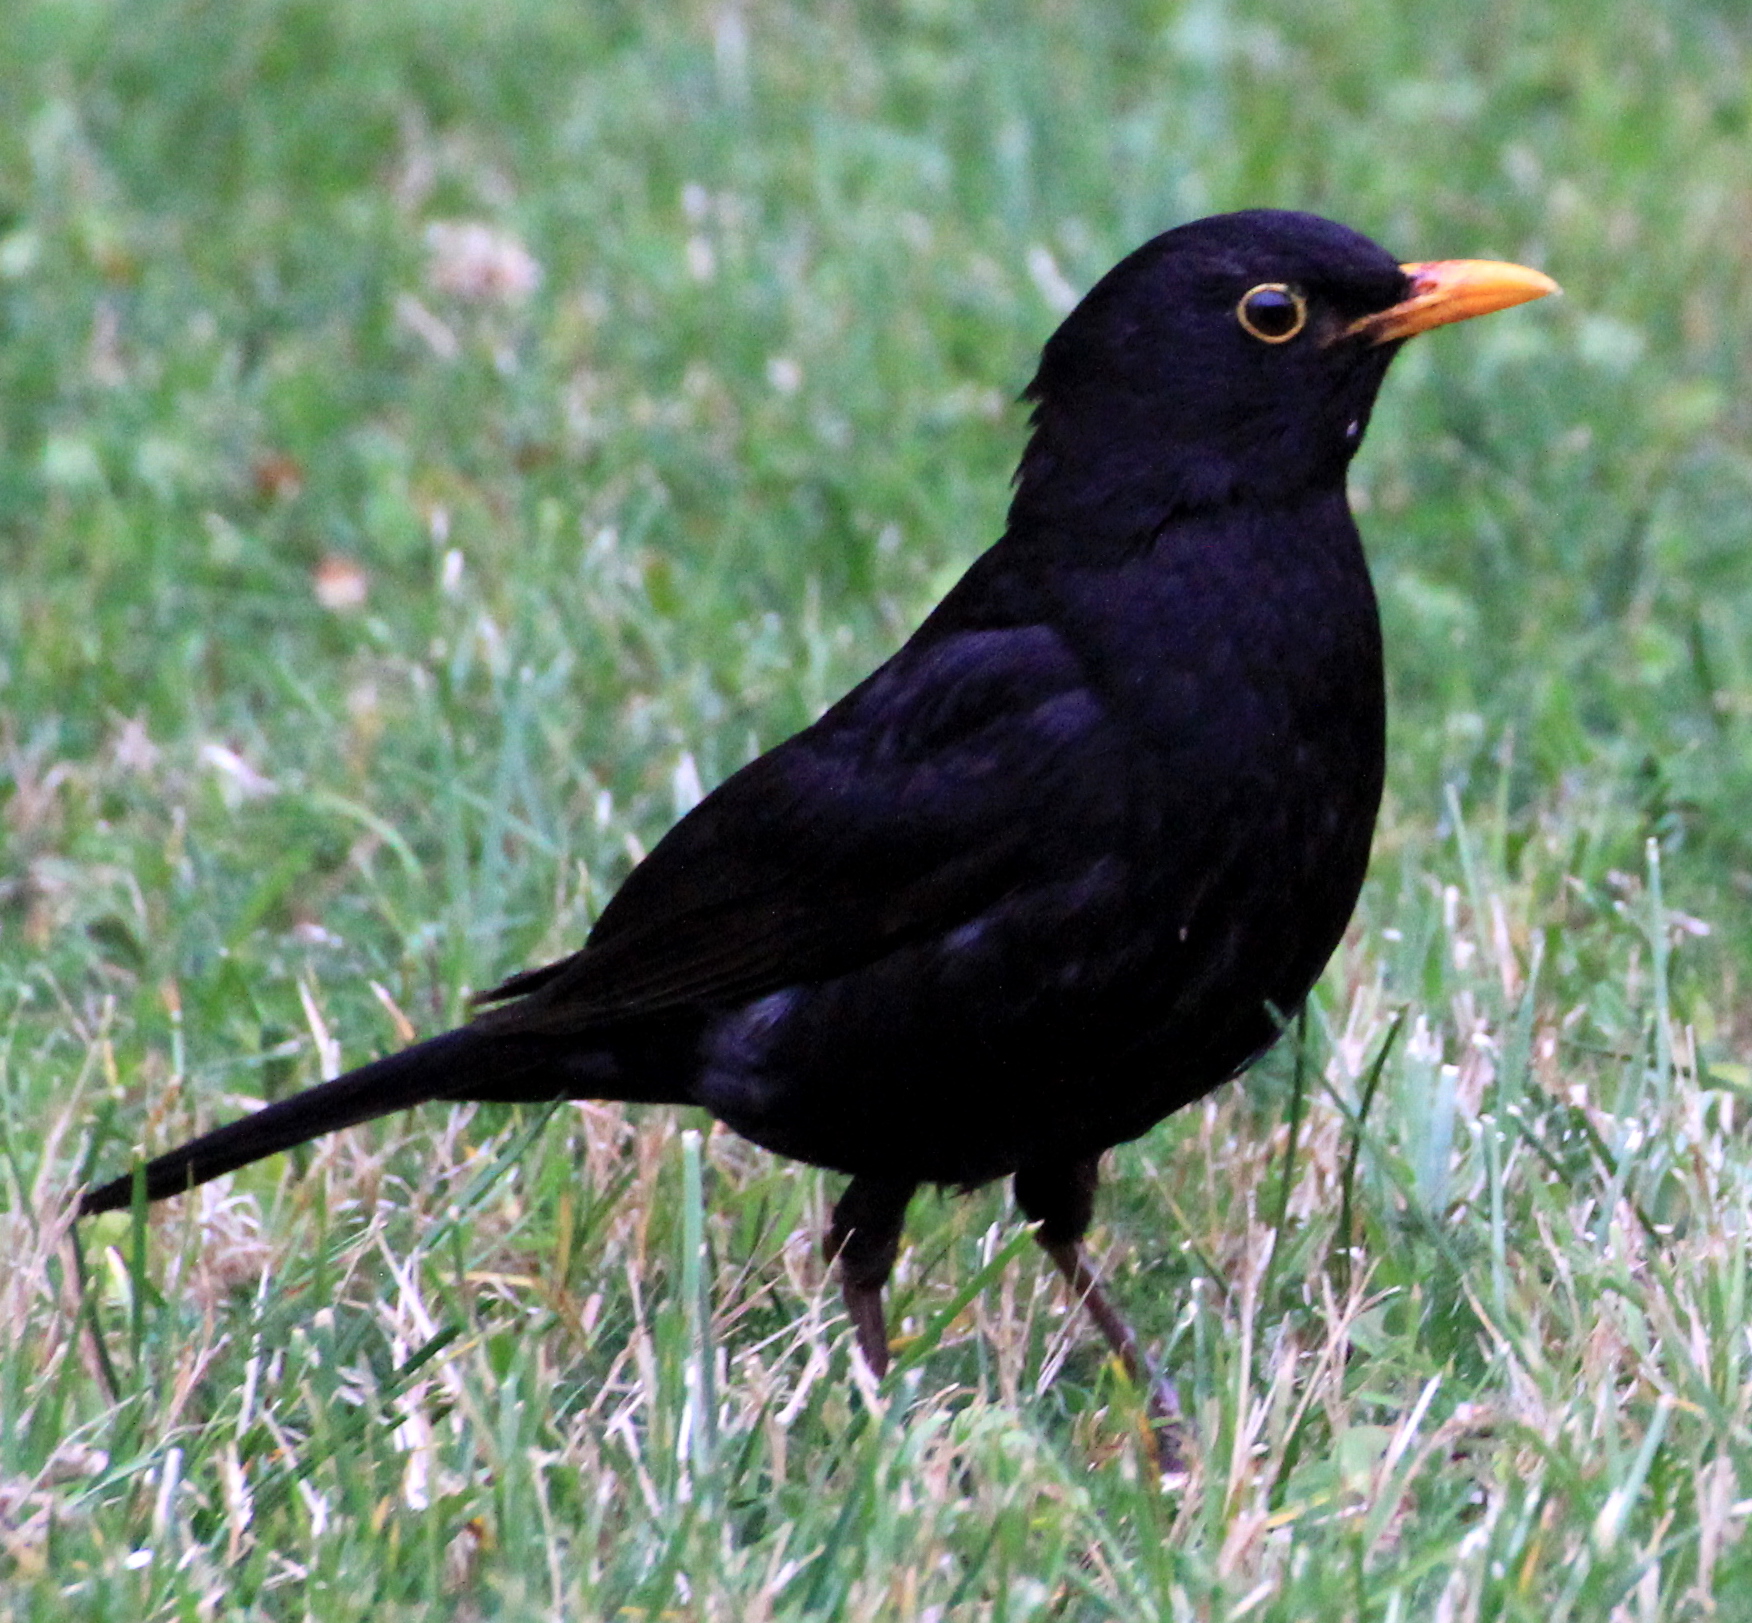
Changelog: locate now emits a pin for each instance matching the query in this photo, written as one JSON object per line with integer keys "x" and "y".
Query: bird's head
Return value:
{"x": 1236, "y": 358}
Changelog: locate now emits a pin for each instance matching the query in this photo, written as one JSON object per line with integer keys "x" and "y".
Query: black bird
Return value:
{"x": 1069, "y": 858}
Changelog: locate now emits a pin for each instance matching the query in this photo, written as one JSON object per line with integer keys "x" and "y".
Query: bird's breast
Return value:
{"x": 1241, "y": 653}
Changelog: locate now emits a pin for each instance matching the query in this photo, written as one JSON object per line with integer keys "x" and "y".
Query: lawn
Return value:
{"x": 437, "y": 440}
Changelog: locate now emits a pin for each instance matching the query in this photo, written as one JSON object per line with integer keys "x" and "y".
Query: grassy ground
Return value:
{"x": 435, "y": 439}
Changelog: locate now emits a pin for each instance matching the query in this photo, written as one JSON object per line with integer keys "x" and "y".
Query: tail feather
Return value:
{"x": 449, "y": 1066}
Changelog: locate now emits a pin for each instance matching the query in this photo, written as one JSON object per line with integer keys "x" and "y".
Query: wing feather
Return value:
{"x": 963, "y": 770}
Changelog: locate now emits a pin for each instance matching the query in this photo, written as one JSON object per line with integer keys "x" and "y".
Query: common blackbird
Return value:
{"x": 1068, "y": 859}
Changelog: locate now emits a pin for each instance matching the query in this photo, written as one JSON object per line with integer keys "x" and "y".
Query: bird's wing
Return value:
{"x": 971, "y": 765}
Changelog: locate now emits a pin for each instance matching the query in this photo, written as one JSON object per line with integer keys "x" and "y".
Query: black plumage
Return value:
{"x": 1070, "y": 857}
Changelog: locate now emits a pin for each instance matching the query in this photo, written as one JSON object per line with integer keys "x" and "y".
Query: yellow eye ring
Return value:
{"x": 1273, "y": 312}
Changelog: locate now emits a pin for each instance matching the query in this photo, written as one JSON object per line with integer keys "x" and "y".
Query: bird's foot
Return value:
{"x": 1163, "y": 1425}
{"x": 1162, "y": 1416}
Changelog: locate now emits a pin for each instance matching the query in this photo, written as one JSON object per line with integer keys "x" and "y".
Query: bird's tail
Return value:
{"x": 460, "y": 1064}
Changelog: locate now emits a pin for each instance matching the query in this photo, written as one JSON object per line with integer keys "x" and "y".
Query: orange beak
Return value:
{"x": 1444, "y": 290}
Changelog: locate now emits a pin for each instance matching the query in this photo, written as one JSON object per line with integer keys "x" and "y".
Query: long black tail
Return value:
{"x": 461, "y": 1064}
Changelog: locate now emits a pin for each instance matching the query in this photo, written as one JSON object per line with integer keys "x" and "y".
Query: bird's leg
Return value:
{"x": 1086, "y": 1288}
{"x": 1061, "y": 1199}
{"x": 864, "y": 1237}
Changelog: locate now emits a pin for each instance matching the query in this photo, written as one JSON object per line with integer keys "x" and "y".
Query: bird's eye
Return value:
{"x": 1273, "y": 312}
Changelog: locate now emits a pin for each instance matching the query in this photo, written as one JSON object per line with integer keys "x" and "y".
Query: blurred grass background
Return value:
{"x": 436, "y": 440}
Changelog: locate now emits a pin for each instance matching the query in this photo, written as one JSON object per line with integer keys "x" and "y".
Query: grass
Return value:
{"x": 367, "y": 607}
